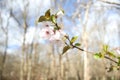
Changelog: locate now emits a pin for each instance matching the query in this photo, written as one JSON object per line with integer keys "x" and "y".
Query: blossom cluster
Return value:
{"x": 51, "y": 31}
{"x": 48, "y": 32}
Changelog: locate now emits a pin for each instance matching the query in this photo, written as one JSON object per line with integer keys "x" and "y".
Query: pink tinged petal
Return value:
{"x": 50, "y": 34}
{"x": 46, "y": 24}
{"x": 46, "y": 33}
{"x": 56, "y": 36}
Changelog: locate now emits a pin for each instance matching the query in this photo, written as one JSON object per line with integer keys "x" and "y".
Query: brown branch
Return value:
{"x": 13, "y": 16}
{"x": 78, "y": 48}
{"x": 106, "y": 57}
{"x": 110, "y": 59}
{"x": 108, "y": 2}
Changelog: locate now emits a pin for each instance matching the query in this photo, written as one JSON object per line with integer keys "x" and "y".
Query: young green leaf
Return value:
{"x": 77, "y": 44}
{"x": 41, "y": 19}
{"x": 111, "y": 54}
{"x": 65, "y": 49}
{"x": 105, "y": 48}
{"x": 47, "y": 14}
{"x": 73, "y": 39}
{"x": 46, "y": 17}
{"x": 118, "y": 57}
{"x": 118, "y": 61}
{"x": 97, "y": 55}
{"x": 53, "y": 19}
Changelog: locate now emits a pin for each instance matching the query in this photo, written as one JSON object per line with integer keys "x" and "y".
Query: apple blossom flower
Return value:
{"x": 50, "y": 34}
{"x": 46, "y": 32}
{"x": 57, "y": 36}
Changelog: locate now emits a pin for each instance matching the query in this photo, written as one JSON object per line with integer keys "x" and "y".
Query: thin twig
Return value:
{"x": 110, "y": 59}
{"x": 109, "y": 2}
{"x": 106, "y": 57}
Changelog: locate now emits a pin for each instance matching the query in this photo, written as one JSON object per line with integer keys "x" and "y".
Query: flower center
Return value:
{"x": 47, "y": 25}
{"x": 47, "y": 32}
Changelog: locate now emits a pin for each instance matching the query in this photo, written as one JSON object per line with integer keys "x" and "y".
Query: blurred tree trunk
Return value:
{"x": 4, "y": 57}
{"x": 85, "y": 56}
{"x": 30, "y": 61}
{"x": 48, "y": 71}
{"x": 61, "y": 68}
{"x": 53, "y": 74}
{"x": 85, "y": 43}
{"x": 23, "y": 57}
{"x": 23, "y": 67}
{"x": 67, "y": 66}
{"x": 34, "y": 61}
{"x": 86, "y": 61}
{"x": 77, "y": 70}
{"x": 5, "y": 51}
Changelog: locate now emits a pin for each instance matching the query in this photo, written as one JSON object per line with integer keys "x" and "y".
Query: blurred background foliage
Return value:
{"x": 26, "y": 56}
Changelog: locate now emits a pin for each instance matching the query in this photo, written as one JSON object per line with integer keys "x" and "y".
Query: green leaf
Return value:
{"x": 111, "y": 54}
{"x": 65, "y": 49}
{"x": 73, "y": 39}
{"x": 41, "y": 19}
{"x": 105, "y": 48}
{"x": 77, "y": 44}
{"x": 118, "y": 61}
{"x": 47, "y": 14}
{"x": 97, "y": 55}
{"x": 118, "y": 57}
{"x": 46, "y": 17}
{"x": 53, "y": 19}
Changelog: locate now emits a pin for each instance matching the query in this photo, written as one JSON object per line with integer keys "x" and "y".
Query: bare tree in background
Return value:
{"x": 5, "y": 30}
{"x": 85, "y": 42}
